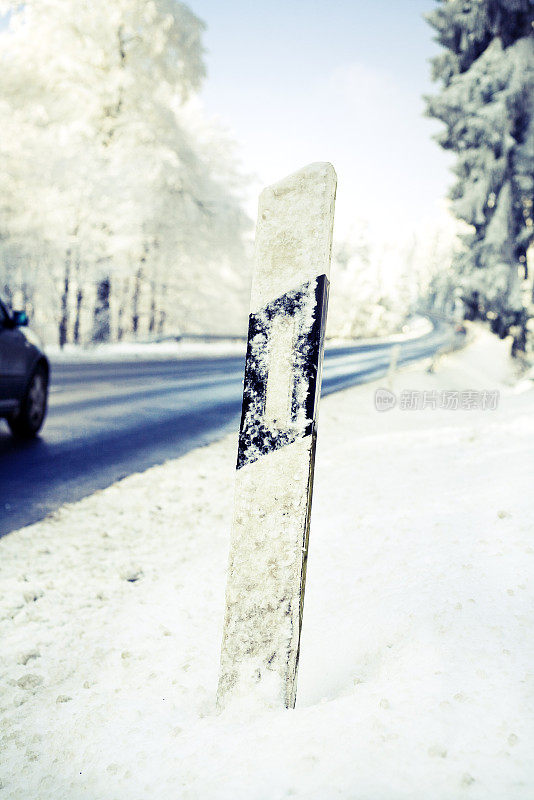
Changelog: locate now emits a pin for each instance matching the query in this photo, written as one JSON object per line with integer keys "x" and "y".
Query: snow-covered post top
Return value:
{"x": 294, "y": 233}
{"x": 268, "y": 551}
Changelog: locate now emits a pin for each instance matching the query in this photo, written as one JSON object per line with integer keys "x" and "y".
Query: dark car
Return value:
{"x": 24, "y": 373}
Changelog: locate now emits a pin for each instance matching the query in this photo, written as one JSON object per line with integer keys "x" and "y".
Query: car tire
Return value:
{"x": 30, "y": 418}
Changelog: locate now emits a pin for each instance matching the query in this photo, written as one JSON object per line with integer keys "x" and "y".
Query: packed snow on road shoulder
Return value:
{"x": 416, "y": 663}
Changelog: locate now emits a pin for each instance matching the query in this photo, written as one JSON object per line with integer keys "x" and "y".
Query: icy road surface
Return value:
{"x": 109, "y": 420}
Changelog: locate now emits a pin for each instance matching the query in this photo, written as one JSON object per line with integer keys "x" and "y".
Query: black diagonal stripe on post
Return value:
{"x": 257, "y": 437}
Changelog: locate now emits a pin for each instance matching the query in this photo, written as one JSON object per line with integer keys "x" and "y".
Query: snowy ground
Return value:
{"x": 416, "y": 665}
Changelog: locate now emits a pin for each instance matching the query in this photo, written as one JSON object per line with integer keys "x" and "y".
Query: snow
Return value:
{"x": 203, "y": 348}
{"x": 415, "y": 675}
{"x": 287, "y": 384}
{"x": 121, "y": 204}
{"x": 145, "y": 351}
{"x": 293, "y": 241}
{"x": 268, "y": 544}
{"x": 487, "y": 73}
{"x": 414, "y": 328}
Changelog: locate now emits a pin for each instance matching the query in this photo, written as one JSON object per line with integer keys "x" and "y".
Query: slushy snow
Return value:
{"x": 415, "y": 677}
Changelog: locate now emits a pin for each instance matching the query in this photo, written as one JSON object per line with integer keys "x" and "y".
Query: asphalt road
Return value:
{"x": 109, "y": 420}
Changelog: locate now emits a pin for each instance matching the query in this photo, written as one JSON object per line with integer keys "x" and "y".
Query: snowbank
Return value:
{"x": 144, "y": 351}
{"x": 415, "y": 328}
{"x": 132, "y": 351}
{"x": 416, "y": 664}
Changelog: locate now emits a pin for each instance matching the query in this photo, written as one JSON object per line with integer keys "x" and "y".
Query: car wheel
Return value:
{"x": 29, "y": 420}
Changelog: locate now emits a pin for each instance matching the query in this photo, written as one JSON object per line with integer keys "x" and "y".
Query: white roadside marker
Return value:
{"x": 274, "y": 478}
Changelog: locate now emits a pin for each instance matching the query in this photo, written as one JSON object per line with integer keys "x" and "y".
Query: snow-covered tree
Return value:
{"x": 431, "y": 265}
{"x": 117, "y": 180}
{"x": 362, "y": 303}
{"x": 487, "y": 104}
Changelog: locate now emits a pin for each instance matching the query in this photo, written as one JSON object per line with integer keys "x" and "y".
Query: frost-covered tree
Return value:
{"x": 487, "y": 105}
{"x": 430, "y": 265}
{"x": 116, "y": 177}
{"x": 362, "y": 303}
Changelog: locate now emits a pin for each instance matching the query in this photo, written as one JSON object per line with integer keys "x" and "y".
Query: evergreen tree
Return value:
{"x": 486, "y": 103}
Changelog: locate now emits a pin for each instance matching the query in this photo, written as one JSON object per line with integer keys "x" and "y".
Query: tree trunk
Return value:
{"x": 152, "y": 318}
{"x": 161, "y": 322}
{"x": 79, "y": 301}
{"x": 27, "y": 304}
{"x": 135, "y": 301}
{"x": 64, "y": 318}
{"x": 121, "y": 309}
{"x": 7, "y": 294}
{"x": 101, "y": 318}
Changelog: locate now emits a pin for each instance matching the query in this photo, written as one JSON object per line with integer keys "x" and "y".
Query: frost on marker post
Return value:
{"x": 274, "y": 478}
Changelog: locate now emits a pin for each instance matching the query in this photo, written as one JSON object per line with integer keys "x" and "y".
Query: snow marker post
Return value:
{"x": 274, "y": 478}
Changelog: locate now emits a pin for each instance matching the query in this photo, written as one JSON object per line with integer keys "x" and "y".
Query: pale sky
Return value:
{"x": 298, "y": 81}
